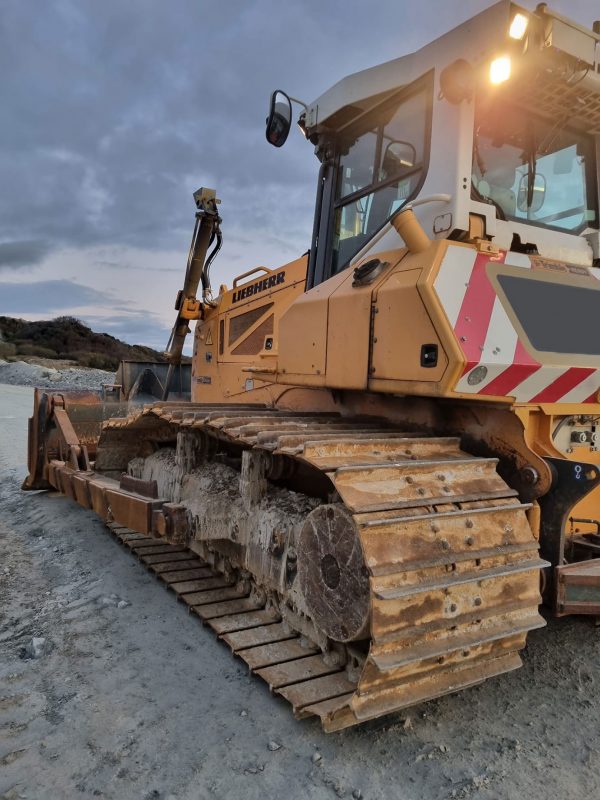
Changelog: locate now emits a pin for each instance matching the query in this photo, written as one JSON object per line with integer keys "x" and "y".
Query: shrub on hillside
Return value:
{"x": 36, "y": 350}
{"x": 7, "y": 349}
{"x": 94, "y": 360}
{"x": 68, "y": 337}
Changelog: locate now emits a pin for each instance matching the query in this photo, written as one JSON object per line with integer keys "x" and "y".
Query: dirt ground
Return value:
{"x": 135, "y": 699}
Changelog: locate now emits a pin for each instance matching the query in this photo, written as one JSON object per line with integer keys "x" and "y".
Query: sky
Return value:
{"x": 112, "y": 113}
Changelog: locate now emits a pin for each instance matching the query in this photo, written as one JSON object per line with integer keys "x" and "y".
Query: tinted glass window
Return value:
{"x": 356, "y": 222}
{"x": 535, "y": 171}
{"x": 380, "y": 167}
{"x": 356, "y": 165}
{"x": 403, "y": 138}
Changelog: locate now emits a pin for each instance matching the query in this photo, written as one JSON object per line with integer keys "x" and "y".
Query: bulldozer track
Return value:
{"x": 452, "y": 567}
{"x": 292, "y": 666}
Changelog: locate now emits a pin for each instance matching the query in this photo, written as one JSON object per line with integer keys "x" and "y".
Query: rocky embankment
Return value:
{"x": 20, "y": 373}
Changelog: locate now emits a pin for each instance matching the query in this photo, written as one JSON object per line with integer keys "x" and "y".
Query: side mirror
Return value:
{"x": 538, "y": 193}
{"x": 279, "y": 120}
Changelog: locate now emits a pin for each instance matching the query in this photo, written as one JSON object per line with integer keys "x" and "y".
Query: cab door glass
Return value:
{"x": 356, "y": 164}
{"x": 379, "y": 168}
{"x": 403, "y": 138}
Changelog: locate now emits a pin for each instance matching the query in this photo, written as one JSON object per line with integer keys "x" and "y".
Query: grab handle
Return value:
{"x": 247, "y": 274}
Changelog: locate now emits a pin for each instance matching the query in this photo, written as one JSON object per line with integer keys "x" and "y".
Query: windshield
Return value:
{"x": 533, "y": 170}
{"x": 380, "y": 166}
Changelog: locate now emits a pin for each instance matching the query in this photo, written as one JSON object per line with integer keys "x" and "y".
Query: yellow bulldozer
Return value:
{"x": 385, "y": 455}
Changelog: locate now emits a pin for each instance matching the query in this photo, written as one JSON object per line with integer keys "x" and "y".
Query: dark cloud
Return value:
{"x": 127, "y": 265}
{"x": 114, "y": 112}
{"x": 47, "y": 297}
{"x": 134, "y": 328}
{"x": 52, "y": 298}
{"x": 117, "y": 113}
{"x": 26, "y": 253}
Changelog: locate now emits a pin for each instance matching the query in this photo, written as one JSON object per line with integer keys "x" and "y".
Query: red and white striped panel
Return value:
{"x": 488, "y": 338}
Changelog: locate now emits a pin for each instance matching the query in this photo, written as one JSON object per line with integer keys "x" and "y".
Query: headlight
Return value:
{"x": 518, "y": 26}
{"x": 500, "y": 70}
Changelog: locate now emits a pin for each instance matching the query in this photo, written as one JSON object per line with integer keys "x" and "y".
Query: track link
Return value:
{"x": 292, "y": 666}
{"x": 453, "y": 568}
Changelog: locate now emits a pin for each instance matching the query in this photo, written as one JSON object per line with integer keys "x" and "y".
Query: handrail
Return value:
{"x": 247, "y": 274}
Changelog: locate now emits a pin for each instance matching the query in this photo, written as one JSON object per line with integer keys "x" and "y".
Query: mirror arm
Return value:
{"x": 295, "y": 100}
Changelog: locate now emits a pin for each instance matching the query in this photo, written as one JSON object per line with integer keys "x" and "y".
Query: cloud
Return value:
{"x": 114, "y": 112}
{"x": 47, "y": 297}
{"x": 111, "y": 155}
{"x": 24, "y": 253}
{"x": 134, "y": 328}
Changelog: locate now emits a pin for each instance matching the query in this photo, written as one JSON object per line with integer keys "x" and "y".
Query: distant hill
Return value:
{"x": 67, "y": 338}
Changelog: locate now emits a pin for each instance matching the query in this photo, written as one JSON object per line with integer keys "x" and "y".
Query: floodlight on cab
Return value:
{"x": 500, "y": 69}
{"x": 518, "y": 26}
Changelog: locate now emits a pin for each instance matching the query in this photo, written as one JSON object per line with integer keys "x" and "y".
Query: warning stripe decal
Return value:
{"x": 497, "y": 363}
{"x": 453, "y": 279}
{"x": 523, "y": 365}
{"x": 563, "y": 384}
{"x": 475, "y": 313}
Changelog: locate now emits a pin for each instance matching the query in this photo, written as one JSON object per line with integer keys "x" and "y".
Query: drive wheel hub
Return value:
{"x": 333, "y": 576}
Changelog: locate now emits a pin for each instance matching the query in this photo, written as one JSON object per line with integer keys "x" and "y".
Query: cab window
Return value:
{"x": 381, "y": 165}
{"x": 537, "y": 171}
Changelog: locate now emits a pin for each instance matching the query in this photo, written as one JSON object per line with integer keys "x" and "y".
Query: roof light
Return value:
{"x": 518, "y": 26}
{"x": 500, "y": 70}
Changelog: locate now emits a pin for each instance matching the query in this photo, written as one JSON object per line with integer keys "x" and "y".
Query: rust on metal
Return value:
{"x": 171, "y": 522}
{"x": 139, "y": 486}
{"x": 131, "y": 510}
{"x": 208, "y": 596}
{"x": 254, "y": 637}
{"x": 227, "y": 608}
{"x": 424, "y": 560}
{"x": 308, "y": 692}
{"x": 301, "y": 669}
{"x": 184, "y": 583}
{"x": 241, "y": 622}
{"x": 267, "y": 655}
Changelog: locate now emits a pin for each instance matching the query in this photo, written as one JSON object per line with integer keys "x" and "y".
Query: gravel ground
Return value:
{"x": 21, "y": 373}
{"x": 127, "y": 696}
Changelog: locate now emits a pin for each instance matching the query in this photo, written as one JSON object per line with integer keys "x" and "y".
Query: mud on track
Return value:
{"x": 135, "y": 699}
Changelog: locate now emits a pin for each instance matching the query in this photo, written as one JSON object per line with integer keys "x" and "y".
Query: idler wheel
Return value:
{"x": 333, "y": 576}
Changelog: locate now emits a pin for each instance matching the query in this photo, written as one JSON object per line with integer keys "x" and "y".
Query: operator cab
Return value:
{"x": 503, "y": 146}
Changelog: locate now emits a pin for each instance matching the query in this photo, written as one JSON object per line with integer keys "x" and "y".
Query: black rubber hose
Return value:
{"x": 211, "y": 258}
